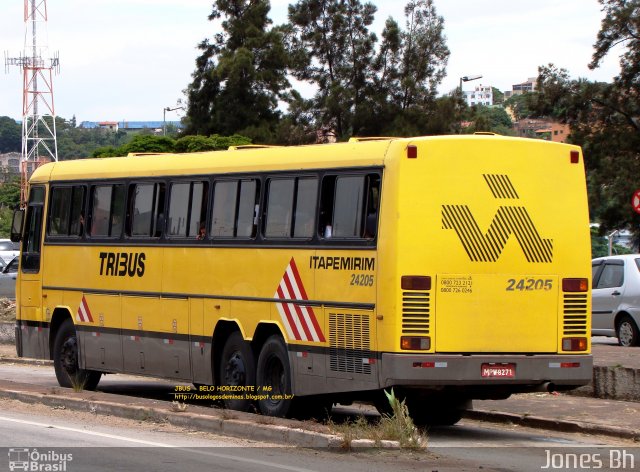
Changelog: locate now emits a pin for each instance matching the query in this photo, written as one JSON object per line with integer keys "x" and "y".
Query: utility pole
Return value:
{"x": 39, "y": 142}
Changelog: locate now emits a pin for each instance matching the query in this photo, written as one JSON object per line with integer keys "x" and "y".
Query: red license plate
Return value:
{"x": 498, "y": 371}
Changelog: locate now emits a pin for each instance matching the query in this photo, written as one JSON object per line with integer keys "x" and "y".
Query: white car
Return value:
{"x": 616, "y": 298}
{"x": 8, "y": 277}
{"x": 8, "y": 250}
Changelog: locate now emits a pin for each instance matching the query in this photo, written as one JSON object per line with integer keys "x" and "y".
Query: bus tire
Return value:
{"x": 65, "y": 361}
{"x": 237, "y": 368}
{"x": 442, "y": 413}
{"x": 274, "y": 378}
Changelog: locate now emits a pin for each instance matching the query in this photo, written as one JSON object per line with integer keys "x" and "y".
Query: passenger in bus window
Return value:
{"x": 202, "y": 232}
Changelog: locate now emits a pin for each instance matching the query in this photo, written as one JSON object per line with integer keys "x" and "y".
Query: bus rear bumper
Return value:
{"x": 415, "y": 370}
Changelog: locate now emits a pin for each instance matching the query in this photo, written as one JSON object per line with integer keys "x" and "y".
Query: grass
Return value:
{"x": 178, "y": 407}
{"x": 397, "y": 426}
{"x": 77, "y": 383}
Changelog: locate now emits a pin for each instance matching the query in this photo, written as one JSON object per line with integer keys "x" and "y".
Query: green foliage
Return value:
{"x": 362, "y": 90}
{"x": 10, "y": 135}
{"x": 6, "y": 218}
{"x": 241, "y": 75}
{"x": 9, "y": 200}
{"x": 399, "y": 424}
{"x": 600, "y": 245}
{"x": 79, "y": 143}
{"x": 211, "y": 143}
{"x": 604, "y": 117}
{"x": 492, "y": 119}
{"x": 163, "y": 144}
{"x": 498, "y": 96}
{"x": 140, "y": 143}
{"x": 519, "y": 105}
{"x": 10, "y": 193}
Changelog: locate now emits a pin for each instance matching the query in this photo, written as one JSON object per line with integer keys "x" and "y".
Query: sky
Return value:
{"x": 131, "y": 59}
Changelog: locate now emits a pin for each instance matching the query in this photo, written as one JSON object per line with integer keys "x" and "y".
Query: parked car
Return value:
{"x": 616, "y": 298}
{"x": 8, "y": 279}
{"x": 8, "y": 250}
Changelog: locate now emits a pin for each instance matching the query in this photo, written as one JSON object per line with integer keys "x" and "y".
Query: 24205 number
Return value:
{"x": 527, "y": 285}
{"x": 362, "y": 280}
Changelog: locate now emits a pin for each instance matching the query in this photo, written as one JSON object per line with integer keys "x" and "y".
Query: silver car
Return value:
{"x": 8, "y": 279}
{"x": 616, "y": 298}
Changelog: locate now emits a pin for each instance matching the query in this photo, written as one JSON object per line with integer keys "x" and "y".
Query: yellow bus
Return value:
{"x": 448, "y": 268}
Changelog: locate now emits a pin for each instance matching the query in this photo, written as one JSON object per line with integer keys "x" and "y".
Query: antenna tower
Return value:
{"x": 39, "y": 143}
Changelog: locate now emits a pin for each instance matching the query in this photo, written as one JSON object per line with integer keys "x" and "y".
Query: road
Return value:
{"x": 107, "y": 443}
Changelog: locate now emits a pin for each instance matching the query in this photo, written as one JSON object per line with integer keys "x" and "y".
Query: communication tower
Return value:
{"x": 39, "y": 143}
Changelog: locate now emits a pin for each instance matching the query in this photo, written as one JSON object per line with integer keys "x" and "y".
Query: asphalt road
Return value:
{"x": 107, "y": 444}
{"x": 116, "y": 444}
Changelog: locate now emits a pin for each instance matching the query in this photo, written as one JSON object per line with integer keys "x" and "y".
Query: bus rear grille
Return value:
{"x": 416, "y": 311}
{"x": 575, "y": 314}
{"x": 350, "y": 343}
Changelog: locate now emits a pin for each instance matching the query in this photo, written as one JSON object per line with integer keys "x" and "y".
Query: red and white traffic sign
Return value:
{"x": 635, "y": 201}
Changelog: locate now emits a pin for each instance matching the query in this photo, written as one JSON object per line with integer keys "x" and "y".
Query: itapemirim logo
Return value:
{"x": 508, "y": 220}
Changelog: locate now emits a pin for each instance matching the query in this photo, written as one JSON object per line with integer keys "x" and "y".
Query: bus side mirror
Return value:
{"x": 16, "y": 225}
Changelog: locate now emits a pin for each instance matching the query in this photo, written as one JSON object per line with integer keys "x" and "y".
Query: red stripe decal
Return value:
{"x": 293, "y": 326}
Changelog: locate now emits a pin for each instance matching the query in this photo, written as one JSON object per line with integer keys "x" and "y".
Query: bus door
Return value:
{"x": 30, "y": 288}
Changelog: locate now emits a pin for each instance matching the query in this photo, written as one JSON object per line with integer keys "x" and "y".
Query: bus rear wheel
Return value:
{"x": 274, "y": 378}
{"x": 237, "y": 369}
{"x": 65, "y": 361}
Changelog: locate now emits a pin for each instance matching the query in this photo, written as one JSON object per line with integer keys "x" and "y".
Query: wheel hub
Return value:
{"x": 69, "y": 355}
{"x": 235, "y": 373}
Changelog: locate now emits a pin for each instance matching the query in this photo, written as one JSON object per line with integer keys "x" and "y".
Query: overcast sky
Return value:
{"x": 129, "y": 59}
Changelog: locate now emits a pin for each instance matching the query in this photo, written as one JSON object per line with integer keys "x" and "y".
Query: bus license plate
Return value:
{"x": 499, "y": 370}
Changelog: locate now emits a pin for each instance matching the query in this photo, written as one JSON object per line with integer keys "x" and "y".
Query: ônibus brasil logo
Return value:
{"x": 34, "y": 460}
{"x": 508, "y": 220}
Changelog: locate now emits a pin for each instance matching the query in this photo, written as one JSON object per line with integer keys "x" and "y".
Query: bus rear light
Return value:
{"x": 412, "y": 152}
{"x": 415, "y": 282}
{"x": 415, "y": 343}
{"x": 569, "y": 365}
{"x": 574, "y": 344}
{"x": 575, "y": 285}
{"x": 575, "y": 157}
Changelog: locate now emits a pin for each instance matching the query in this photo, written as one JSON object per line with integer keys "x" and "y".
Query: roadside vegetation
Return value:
{"x": 397, "y": 426}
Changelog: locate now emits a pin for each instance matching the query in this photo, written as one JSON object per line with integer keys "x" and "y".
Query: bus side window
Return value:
{"x": 66, "y": 211}
{"x": 372, "y": 206}
{"x": 349, "y": 206}
{"x": 147, "y": 210}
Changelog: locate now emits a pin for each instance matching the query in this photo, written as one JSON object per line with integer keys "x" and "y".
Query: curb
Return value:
{"x": 282, "y": 434}
{"x": 246, "y": 429}
{"x": 24, "y": 360}
{"x": 567, "y": 426}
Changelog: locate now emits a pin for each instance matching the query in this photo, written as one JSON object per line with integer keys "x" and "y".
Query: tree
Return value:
{"x": 241, "y": 75}
{"x": 424, "y": 54}
{"x": 604, "y": 117}
{"x": 140, "y": 143}
{"x": 519, "y": 105}
{"x": 212, "y": 143}
{"x": 10, "y": 135}
{"x": 361, "y": 90}
{"x": 332, "y": 48}
{"x": 489, "y": 119}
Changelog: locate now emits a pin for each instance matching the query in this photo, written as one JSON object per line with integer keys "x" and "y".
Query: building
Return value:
{"x": 10, "y": 163}
{"x": 518, "y": 89}
{"x": 482, "y": 95}
{"x": 108, "y": 125}
{"x": 130, "y": 126}
{"x": 542, "y": 128}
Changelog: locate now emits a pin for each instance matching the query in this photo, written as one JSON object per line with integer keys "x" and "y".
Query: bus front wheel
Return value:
{"x": 237, "y": 369}
{"x": 274, "y": 378}
{"x": 65, "y": 361}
